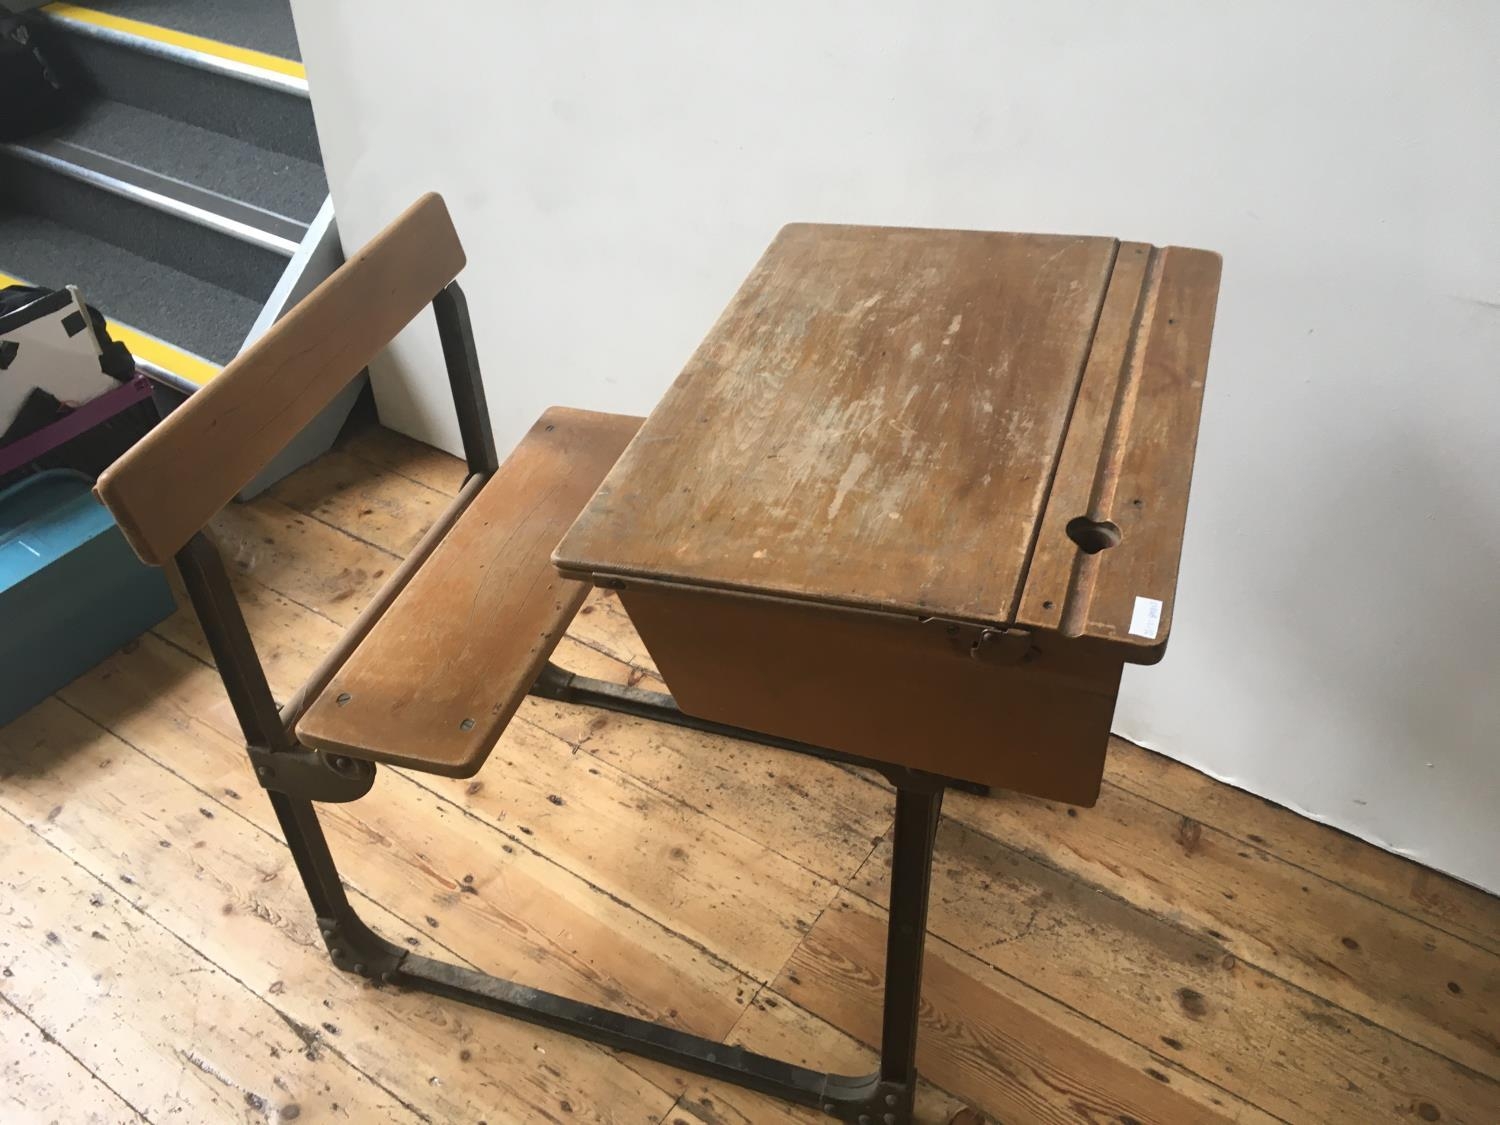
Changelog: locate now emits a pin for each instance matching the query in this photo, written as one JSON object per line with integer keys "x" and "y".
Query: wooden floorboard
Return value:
{"x": 152, "y": 836}
{"x": 37, "y": 1075}
{"x": 1312, "y": 933}
{"x": 1182, "y": 952}
{"x": 1177, "y": 992}
{"x": 169, "y": 1031}
{"x": 1391, "y": 880}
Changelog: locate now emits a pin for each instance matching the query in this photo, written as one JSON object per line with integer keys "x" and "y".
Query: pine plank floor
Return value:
{"x": 1183, "y": 952}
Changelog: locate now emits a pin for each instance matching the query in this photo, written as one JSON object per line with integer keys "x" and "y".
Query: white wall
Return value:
{"x": 615, "y": 170}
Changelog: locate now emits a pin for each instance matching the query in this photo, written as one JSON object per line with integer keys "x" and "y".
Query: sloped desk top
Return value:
{"x": 989, "y": 428}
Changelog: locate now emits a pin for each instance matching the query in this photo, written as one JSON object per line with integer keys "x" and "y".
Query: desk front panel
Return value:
{"x": 1028, "y": 714}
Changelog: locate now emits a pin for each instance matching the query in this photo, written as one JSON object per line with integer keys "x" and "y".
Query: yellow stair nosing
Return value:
{"x": 182, "y": 40}
{"x": 148, "y": 348}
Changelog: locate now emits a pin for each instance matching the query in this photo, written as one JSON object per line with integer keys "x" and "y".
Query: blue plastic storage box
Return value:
{"x": 71, "y": 589}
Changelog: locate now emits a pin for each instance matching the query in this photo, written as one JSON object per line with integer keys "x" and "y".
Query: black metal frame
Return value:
{"x": 295, "y": 777}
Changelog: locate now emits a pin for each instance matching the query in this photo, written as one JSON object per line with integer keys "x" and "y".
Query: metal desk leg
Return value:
{"x": 917, "y": 813}
{"x": 294, "y": 777}
{"x": 885, "y": 1097}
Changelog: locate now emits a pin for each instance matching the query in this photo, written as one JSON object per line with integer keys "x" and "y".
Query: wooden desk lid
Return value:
{"x": 992, "y": 428}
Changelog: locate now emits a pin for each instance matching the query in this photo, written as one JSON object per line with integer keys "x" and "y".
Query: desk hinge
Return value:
{"x": 312, "y": 775}
{"x": 985, "y": 643}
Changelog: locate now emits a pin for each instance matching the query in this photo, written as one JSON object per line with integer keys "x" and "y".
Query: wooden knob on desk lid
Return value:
{"x": 1093, "y": 536}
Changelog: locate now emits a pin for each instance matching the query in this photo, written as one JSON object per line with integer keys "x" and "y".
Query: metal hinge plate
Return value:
{"x": 313, "y": 775}
{"x": 986, "y": 643}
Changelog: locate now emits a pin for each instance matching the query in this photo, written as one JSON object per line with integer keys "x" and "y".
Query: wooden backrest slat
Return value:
{"x": 173, "y": 481}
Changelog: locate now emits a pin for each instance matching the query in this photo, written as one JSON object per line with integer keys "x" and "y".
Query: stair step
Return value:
{"x": 258, "y": 25}
{"x": 185, "y": 197}
{"x": 119, "y": 139}
{"x": 188, "y": 240}
{"x": 262, "y": 101}
{"x": 192, "y": 314}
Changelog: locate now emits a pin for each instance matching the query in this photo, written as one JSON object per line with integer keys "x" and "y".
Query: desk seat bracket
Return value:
{"x": 280, "y": 764}
{"x": 313, "y": 775}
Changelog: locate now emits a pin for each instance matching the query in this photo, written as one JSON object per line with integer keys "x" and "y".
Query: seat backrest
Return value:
{"x": 167, "y": 488}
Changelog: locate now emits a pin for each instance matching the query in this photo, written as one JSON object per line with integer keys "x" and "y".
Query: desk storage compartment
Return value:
{"x": 918, "y": 496}
{"x": 71, "y": 590}
{"x": 1021, "y": 713}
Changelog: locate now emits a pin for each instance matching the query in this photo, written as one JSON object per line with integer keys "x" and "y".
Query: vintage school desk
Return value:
{"x": 916, "y": 500}
{"x": 913, "y": 504}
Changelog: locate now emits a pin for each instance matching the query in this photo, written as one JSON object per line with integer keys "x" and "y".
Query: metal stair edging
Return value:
{"x": 200, "y": 60}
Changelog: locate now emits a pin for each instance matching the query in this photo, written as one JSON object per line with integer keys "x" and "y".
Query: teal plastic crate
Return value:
{"x": 71, "y": 589}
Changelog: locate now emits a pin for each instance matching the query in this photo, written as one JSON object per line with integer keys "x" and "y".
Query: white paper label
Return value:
{"x": 1145, "y": 619}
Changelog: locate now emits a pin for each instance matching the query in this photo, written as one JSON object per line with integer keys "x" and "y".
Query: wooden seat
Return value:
{"x": 434, "y": 682}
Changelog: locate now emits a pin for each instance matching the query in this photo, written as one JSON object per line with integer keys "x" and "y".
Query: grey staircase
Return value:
{"x": 185, "y": 196}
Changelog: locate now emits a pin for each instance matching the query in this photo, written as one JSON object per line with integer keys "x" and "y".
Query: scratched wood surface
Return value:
{"x": 1182, "y": 952}
{"x": 878, "y": 417}
{"x": 1126, "y": 460}
{"x": 432, "y": 685}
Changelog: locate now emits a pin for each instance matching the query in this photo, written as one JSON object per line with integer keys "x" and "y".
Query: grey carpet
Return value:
{"x": 217, "y": 257}
{"x": 272, "y": 119}
{"x": 274, "y": 181}
{"x": 180, "y": 309}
